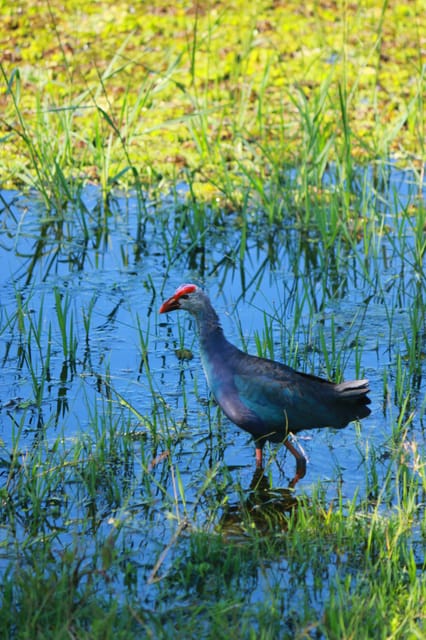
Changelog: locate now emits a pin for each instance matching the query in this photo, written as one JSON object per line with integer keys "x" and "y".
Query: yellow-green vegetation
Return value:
{"x": 118, "y": 91}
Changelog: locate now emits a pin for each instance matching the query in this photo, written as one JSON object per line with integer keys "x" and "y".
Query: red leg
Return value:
{"x": 300, "y": 463}
{"x": 259, "y": 458}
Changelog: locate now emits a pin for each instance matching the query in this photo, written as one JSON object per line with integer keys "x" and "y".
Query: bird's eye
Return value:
{"x": 184, "y": 296}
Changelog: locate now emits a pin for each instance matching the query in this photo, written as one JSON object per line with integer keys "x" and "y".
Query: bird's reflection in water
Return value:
{"x": 264, "y": 509}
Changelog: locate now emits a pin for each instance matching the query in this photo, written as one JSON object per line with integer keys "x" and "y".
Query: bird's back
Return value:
{"x": 267, "y": 397}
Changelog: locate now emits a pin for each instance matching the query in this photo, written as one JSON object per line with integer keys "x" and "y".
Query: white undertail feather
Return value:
{"x": 353, "y": 387}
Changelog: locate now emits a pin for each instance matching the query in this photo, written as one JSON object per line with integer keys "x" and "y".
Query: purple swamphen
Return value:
{"x": 266, "y": 398}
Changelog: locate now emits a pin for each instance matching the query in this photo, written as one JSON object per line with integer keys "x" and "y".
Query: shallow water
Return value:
{"x": 328, "y": 310}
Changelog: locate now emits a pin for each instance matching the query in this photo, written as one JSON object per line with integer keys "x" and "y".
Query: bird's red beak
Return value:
{"x": 172, "y": 304}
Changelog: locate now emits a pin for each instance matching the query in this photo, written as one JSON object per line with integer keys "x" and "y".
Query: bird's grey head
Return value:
{"x": 188, "y": 297}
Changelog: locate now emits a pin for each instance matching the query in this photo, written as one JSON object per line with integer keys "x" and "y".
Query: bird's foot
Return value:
{"x": 300, "y": 463}
{"x": 300, "y": 472}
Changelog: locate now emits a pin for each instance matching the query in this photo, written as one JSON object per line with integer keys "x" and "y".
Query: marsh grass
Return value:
{"x": 117, "y": 476}
{"x": 111, "y": 525}
{"x": 118, "y": 529}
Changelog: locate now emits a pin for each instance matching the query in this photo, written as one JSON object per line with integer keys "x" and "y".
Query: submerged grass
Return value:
{"x": 114, "y": 527}
{"x": 364, "y": 566}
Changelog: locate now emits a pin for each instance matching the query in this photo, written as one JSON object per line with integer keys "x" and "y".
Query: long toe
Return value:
{"x": 300, "y": 463}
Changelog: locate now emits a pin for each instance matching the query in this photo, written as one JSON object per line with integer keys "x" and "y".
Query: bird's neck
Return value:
{"x": 209, "y": 328}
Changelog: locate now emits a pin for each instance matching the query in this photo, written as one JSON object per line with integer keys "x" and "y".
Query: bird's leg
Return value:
{"x": 259, "y": 457}
{"x": 300, "y": 463}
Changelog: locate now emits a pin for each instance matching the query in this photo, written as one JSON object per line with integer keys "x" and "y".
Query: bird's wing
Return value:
{"x": 284, "y": 396}
{"x": 275, "y": 402}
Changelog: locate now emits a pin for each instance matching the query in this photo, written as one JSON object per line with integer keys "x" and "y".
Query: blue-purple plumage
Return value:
{"x": 266, "y": 398}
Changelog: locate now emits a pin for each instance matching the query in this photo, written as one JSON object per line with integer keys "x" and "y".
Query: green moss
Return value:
{"x": 165, "y": 74}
